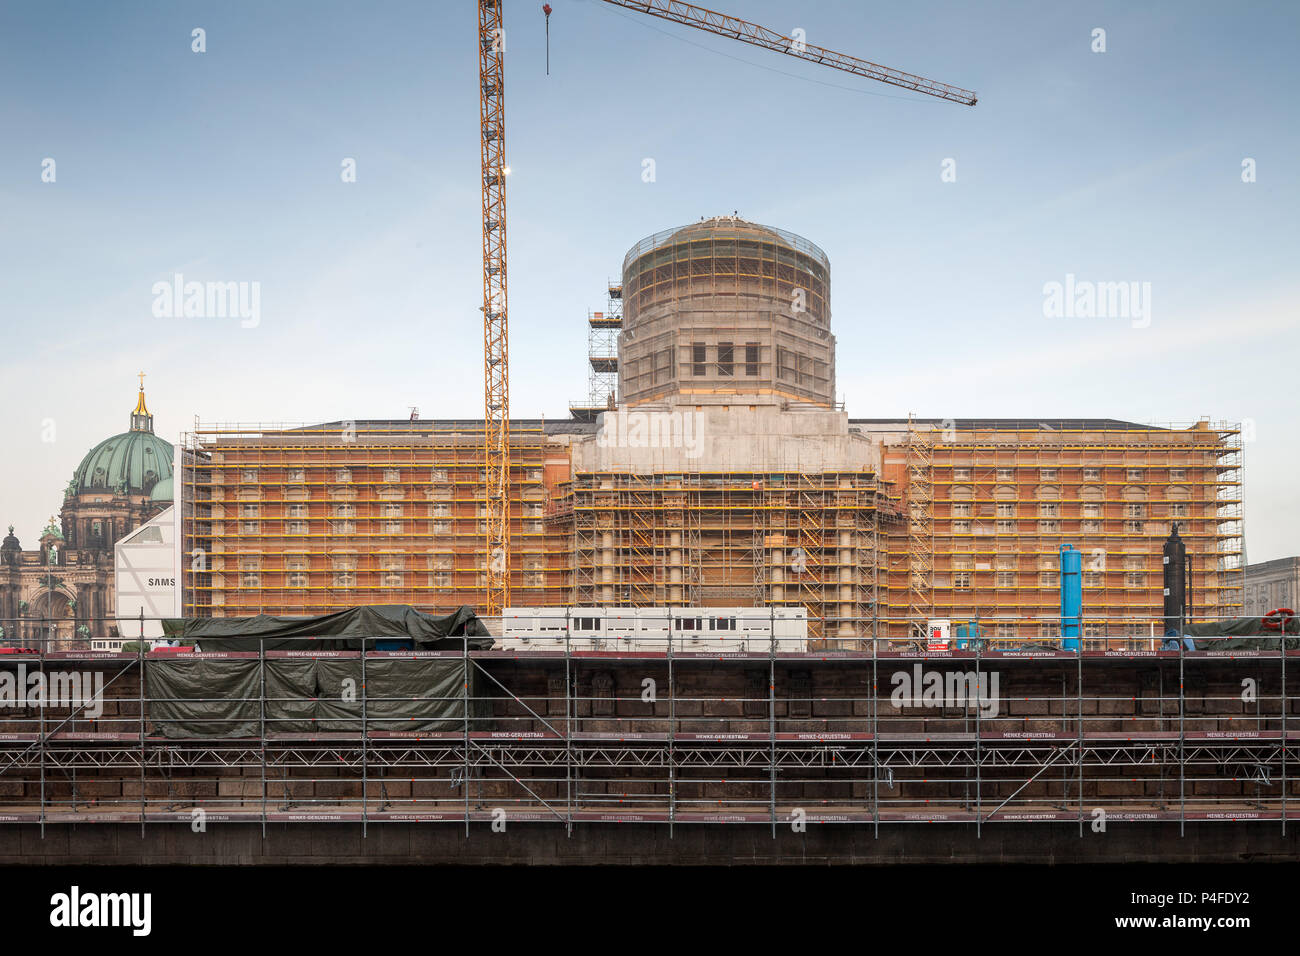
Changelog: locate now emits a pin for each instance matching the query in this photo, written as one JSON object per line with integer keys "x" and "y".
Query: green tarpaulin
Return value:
{"x": 207, "y": 698}
{"x": 344, "y": 631}
{"x": 1243, "y": 633}
{"x": 200, "y": 697}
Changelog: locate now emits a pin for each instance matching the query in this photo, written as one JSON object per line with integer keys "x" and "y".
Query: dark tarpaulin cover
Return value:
{"x": 345, "y": 631}
{"x": 197, "y": 697}
{"x": 207, "y": 698}
{"x": 1243, "y": 634}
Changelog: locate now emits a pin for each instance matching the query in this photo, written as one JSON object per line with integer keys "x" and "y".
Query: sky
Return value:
{"x": 944, "y": 224}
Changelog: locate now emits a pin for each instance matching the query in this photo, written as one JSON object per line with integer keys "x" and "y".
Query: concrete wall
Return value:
{"x": 744, "y": 433}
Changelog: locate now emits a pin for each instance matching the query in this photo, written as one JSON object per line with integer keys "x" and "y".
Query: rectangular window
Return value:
{"x": 1006, "y": 579}
{"x": 751, "y": 358}
{"x": 961, "y": 580}
{"x": 342, "y": 474}
{"x": 1178, "y": 510}
{"x": 296, "y": 527}
{"x": 1092, "y": 511}
{"x": 250, "y": 527}
{"x": 1134, "y": 527}
{"x": 297, "y": 511}
{"x": 1091, "y": 527}
{"x": 343, "y": 527}
{"x": 699, "y": 359}
{"x": 1177, "y": 474}
{"x": 726, "y": 363}
{"x": 1092, "y": 474}
{"x": 1048, "y": 579}
{"x": 251, "y": 579}
{"x": 345, "y": 511}
{"x": 962, "y": 510}
{"x": 248, "y": 511}
{"x": 1049, "y": 509}
{"x": 345, "y": 579}
{"x": 1135, "y": 511}
{"x": 1134, "y": 474}
{"x": 961, "y": 527}
{"x": 1046, "y": 474}
{"x": 391, "y": 509}
{"x": 961, "y": 474}
{"x": 392, "y": 474}
{"x": 1005, "y": 527}
{"x": 1006, "y": 474}
{"x": 1049, "y": 527}
{"x": 1006, "y": 510}
{"x": 296, "y": 474}
{"x": 297, "y": 579}
{"x": 248, "y": 474}
{"x": 1135, "y": 579}
{"x": 392, "y": 527}
{"x": 1092, "y": 579}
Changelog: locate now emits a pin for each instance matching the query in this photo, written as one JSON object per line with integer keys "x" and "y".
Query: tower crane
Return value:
{"x": 491, "y": 72}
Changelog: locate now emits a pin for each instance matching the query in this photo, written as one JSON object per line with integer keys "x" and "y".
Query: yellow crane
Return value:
{"x": 492, "y": 116}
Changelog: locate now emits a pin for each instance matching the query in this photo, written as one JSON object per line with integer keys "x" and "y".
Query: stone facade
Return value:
{"x": 60, "y": 595}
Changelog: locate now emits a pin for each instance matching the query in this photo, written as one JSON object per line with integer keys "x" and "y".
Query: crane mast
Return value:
{"x": 496, "y": 385}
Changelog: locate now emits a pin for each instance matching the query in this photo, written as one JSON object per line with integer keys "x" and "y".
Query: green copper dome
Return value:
{"x": 163, "y": 490}
{"x": 134, "y": 461}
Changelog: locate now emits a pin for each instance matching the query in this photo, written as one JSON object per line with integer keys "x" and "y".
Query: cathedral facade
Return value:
{"x": 60, "y": 595}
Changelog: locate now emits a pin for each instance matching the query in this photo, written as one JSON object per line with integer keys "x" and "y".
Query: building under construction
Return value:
{"x": 710, "y": 465}
{"x": 719, "y": 472}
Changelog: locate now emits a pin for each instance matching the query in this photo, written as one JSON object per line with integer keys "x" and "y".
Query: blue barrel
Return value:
{"x": 1071, "y": 598}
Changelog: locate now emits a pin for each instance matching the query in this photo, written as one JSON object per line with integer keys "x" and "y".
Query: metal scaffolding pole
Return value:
{"x": 771, "y": 713}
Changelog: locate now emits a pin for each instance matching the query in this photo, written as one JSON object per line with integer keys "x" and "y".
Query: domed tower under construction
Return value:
{"x": 725, "y": 306}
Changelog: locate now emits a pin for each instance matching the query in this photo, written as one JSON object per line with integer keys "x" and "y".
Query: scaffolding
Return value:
{"x": 784, "y": 539}
{"x": 920, "y": 529}
{"x": 310, "y": 519}
{"x": 990, "y": 506}
{"x": 603, "y": 330}
{"x": 568, "y": 738}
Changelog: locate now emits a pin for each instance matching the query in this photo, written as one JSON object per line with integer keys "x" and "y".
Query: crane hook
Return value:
{"x": 546, "y": 9}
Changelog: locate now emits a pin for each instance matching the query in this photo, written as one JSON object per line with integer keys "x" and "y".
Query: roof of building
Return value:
{"x": 134, "y": 461}
{"x": 1056, "y": 424}
{"x": 562, "y": 426}
{"x": 726, "y": 227}
{"x": 163, "y": 491}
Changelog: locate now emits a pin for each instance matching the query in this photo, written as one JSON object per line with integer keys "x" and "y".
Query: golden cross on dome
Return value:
{"x": 142, "y": 381}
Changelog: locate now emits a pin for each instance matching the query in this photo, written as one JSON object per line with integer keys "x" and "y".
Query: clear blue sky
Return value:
{"x": 1123, "y": 165}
